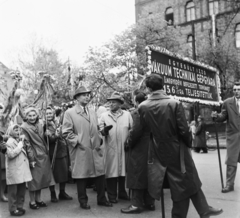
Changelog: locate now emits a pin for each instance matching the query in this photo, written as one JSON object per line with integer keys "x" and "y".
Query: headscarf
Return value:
{"x": 30, "y": 109}
{"x": 11, "y": 128}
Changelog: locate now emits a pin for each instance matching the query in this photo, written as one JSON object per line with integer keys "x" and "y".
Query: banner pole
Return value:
{"x": 219, "y": 157}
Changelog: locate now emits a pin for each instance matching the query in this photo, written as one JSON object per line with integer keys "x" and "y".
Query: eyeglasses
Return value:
{"x": 236, "y": 90}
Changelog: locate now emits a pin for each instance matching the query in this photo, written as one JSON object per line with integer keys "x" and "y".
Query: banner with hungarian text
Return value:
{"x": 184, "y": 78}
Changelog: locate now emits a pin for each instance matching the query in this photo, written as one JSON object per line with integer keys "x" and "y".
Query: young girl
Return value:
{"x": 17, "y": 171}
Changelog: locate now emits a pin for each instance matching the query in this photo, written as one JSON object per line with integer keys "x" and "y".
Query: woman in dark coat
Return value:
{"x": 200, "y": 136}
{"x": 60, "y": 164}
{"x": 137, "y": 163}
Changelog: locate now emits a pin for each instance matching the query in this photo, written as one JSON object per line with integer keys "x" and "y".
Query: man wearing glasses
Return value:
{"x": 231, "y": 113}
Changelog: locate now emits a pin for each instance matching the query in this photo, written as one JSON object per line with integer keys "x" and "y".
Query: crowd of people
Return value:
{"x": 142, "y": 150}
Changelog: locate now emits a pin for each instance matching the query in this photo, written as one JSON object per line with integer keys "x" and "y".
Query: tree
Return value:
{"x": 112, "y": 66}
{"x": 43, "y": 60}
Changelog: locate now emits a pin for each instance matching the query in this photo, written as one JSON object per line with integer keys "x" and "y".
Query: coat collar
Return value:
{"x": 233, "y": 105}
{"x": 80, "y": 111}
{"x": 119, "y": 114}
{"x": 159, "y": 94}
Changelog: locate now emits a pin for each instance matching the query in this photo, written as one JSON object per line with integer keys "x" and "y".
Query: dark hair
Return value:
{"x": 140, "y": 97}
{"x": 154, "y": 81}
{"x": 237, "y": 83}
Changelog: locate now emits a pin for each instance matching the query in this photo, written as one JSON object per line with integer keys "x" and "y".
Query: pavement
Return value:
{"x": 209, "y": 173}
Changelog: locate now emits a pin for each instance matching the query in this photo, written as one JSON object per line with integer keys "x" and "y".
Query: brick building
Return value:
{"x": 198, "y": 12}
{"x": 196, "y": 21}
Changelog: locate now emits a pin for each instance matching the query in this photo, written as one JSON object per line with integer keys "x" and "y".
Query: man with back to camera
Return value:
{"x": 81, "y": 132}
{"x": 230, "y": 112}
{"x": 169, "y": 142}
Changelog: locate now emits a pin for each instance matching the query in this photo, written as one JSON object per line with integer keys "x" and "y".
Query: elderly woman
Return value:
{"x": 38, "y": 151}
{"x": 60, "y": 162}
{"x": 17, "y": 171}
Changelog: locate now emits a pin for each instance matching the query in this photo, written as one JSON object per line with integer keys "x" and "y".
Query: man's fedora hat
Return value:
{"x": 80, "y": 90}
{"x": 116, "y": 96}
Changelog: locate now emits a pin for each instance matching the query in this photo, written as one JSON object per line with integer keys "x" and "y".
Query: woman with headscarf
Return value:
{"x": 58, "y": 155}
{"x": 38, "y": 150}
{"x": 17, "y": 171}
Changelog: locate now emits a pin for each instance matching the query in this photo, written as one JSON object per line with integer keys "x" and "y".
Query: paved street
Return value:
{"x": 207, "y": 165}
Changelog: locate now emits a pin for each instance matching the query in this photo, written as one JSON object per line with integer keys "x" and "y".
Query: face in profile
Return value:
{"x": 16, "y": 132}
{"x": 32, "y": 117}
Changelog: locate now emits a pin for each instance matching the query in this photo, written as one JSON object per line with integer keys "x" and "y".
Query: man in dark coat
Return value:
{"x": 170, "y": 157}
{"x": 231, "y": 113}
{"x": 138, "y": 142}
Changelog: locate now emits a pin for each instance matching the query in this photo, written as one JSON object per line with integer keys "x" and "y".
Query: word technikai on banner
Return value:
{"x": 184, "y": 78}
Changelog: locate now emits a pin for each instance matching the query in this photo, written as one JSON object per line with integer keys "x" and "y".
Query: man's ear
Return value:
{"x": 149, "y": 89}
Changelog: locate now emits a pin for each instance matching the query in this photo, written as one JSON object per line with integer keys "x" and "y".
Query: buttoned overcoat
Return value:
{"x": 230, "y": 113}
{"x": 17, "y": 165}
{"x": 138, "y": 143}
{"x": 115, "y": 164}
{"x": 166, "y": 120}
{"x": 84, "y": 141}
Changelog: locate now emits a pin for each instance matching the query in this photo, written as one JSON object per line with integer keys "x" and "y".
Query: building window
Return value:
{"x": 213, "y": 7}
{"x": 190, "y": 11}
{"x": 190, "y": 45}
{"x": 169, "y": 16}
{"x": 237, "y": 35}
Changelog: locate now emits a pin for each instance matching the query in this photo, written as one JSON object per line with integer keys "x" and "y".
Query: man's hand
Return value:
{"x": 32, "y": 164}
{"x": 214, "y": 114}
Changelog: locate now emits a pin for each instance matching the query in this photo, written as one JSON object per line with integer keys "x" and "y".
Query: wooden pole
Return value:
{"x": 219, "y": 157}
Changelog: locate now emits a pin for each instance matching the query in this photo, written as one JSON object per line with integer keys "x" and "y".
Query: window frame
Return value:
{"x": 237, "y": 31}
{"x": 213, "y": 2}
{"x": 190, "y": 10}
{"x": 169, "y": 14}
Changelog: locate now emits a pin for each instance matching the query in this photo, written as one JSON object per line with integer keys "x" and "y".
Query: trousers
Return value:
{"x": 100, "y": 186}
{"x": 141, "y": 197}
{"x": 16, "y": 196}
{"x": 116, "y": 187}
{"x": 180, "y": 208}
{"x": 231, "y": 175}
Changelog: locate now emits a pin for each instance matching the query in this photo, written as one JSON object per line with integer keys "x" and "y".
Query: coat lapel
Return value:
{"x": 80, "y": 111}
{"x": 233, "y": 105}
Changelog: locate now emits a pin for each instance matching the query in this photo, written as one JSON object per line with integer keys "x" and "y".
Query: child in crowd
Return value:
{"x": 17, "y": 171}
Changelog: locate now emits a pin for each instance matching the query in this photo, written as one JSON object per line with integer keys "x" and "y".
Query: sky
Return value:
{"x": 68, "y": 26}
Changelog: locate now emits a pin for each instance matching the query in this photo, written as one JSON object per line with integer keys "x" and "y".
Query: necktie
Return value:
{"x": 85, "y": 111}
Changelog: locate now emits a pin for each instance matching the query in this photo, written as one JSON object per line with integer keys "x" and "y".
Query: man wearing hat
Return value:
{"x": 81, "y": 132}
{"x": 115, "y": 137}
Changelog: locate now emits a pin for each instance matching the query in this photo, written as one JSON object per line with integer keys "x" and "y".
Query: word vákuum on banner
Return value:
{"x": 184, "y": 78}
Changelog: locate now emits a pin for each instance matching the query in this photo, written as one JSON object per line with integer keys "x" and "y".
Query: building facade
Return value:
{"x": 198, "y": 18}
{"x": 198, "y": 12}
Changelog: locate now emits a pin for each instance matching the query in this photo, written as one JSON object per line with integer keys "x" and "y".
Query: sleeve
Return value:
{"x": 67, "y": 130}
{"x": 101, "y": 123}
{"x": 136, "y": 131}
{"x": 12, "y": 151}
{"x": 223, "y": 116}
{"x": 28, "y": 147}
{"x": 199, "y": 129}
{"x": 182, "y": 126}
